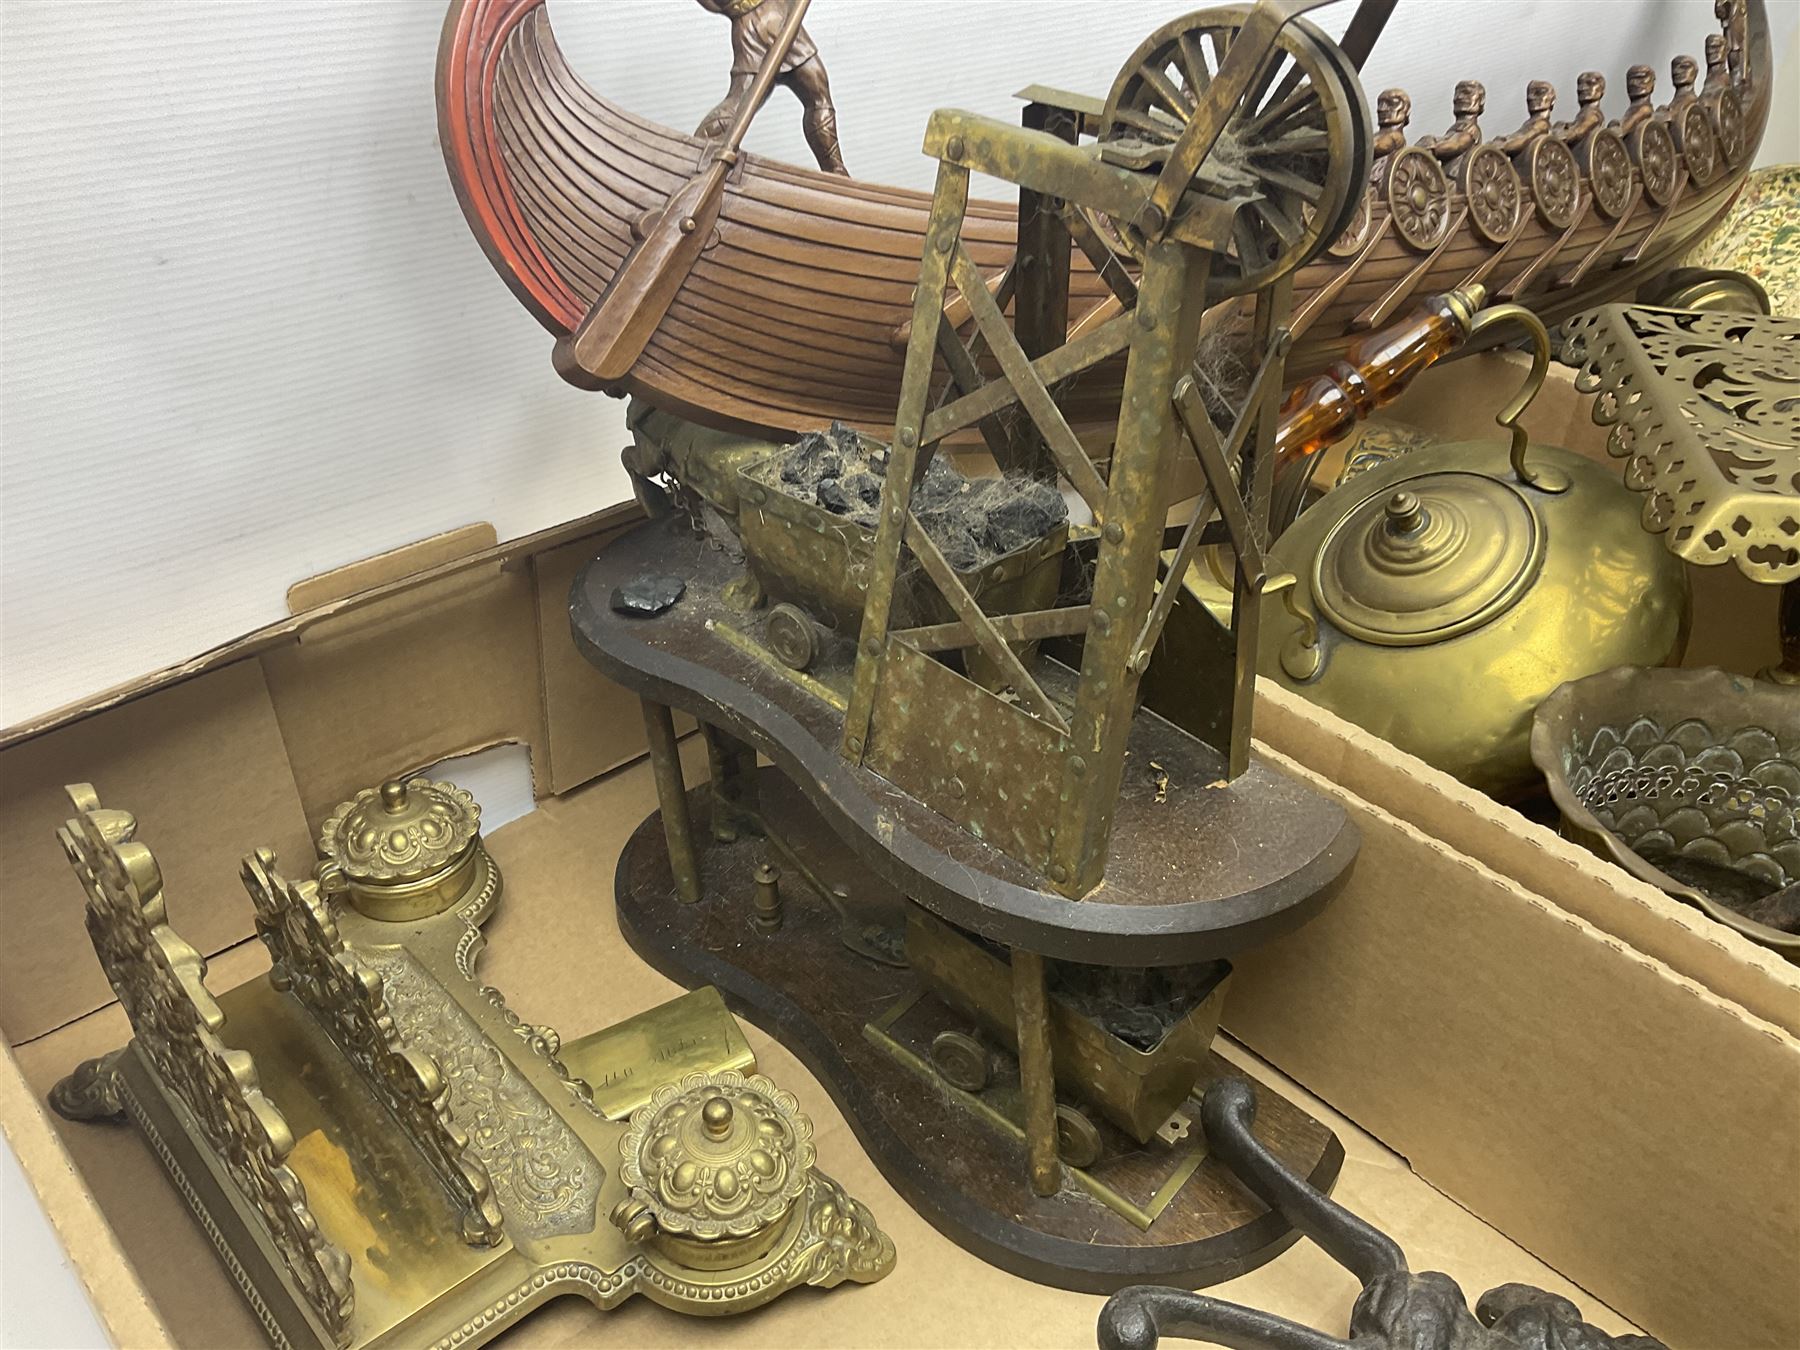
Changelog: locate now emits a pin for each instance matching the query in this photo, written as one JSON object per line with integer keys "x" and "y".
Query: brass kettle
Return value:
{"x": 1438, "y": 599}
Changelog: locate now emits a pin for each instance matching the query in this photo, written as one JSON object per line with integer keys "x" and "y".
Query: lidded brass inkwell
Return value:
{"x": 407, "y": 850}
{"x": 1442, "y": 596}
{"x": 715, "y": 1164}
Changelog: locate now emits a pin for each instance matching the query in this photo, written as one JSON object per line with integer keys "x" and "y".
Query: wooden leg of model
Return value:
{"x": 671, "y": 794}
{"x": 1037, "y": 1072}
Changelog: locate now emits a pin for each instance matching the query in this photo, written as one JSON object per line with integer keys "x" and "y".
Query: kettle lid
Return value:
{"x": 1429, "y": 558}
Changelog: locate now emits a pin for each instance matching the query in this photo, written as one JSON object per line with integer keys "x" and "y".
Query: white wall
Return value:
{"x": 245, "y": 335}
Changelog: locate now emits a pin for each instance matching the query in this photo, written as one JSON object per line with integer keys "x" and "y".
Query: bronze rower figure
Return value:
{"x": 754, "y": 25}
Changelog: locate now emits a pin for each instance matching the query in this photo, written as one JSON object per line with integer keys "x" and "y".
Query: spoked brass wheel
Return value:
{"x": 1295, "y": 148}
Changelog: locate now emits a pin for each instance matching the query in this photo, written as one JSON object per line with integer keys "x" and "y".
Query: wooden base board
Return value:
{"x": 818, "y": 983}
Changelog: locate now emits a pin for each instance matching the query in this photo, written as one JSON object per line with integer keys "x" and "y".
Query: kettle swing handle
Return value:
{"x": 1543, "y": 479}
{"x": 1300, "y": 653}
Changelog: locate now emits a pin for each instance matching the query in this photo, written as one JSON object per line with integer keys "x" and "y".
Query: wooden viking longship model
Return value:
{"x": 560, "y": 186}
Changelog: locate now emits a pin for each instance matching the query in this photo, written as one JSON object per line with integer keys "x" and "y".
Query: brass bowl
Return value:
{"x": 1689, "y": 779}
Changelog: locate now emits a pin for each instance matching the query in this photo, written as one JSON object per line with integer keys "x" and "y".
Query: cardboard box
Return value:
{"x": 1595, "y": 1087}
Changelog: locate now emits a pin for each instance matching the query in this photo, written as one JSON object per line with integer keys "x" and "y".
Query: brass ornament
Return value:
{"x": 1477, "y": 577}
{"x": 1418, "y": 198}
{"x": 1690, "y": 780}
{"x": 1727, "y": 112}
{"x": 1555, "y": 180}
{"x": 1653, "y": 147}
{"x": 1702, "y": 409}
{"x": 1577, "y": 587}
{"x": 407, "y": 849}
{"x": 1493, "y": 190}
{"x": 1721, "y": 289}
{"x": 1356, "y": 233}
{"x": 1608, "y": 165}
{"x": 1699, "y": 147}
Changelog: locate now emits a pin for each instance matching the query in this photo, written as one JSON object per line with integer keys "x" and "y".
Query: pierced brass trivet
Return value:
{"x": 1705, "y": 410}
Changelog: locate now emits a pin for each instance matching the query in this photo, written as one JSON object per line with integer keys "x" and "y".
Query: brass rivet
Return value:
{"x": 856, "y": 745}
{"x": 909, "y": 437}
{"x": 1102, "y": 621}
{"x": 954, "y": 147}
{"x": 1058, "y": 872}
{"x": 1140, "y": 662}
{"x": 1077, "y": 765}
{"x": 872, "y": 648}
{"x": 1146, "y": 320}
{"x": 957, "y": 790}
{"x": 1113, "y": 532}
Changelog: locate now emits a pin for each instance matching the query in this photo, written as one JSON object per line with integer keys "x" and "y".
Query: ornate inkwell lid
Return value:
{"x": 405, "y": 850}
{"x": 714, "y": 1158}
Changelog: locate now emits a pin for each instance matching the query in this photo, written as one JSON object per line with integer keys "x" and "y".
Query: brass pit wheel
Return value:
{"x": 1296, "y": 148}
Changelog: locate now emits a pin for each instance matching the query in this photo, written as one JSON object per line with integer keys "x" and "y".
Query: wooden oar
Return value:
{"x": 607, "y": 343}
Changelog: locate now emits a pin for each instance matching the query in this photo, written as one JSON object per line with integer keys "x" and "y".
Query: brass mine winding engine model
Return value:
{"x": 916, "y": 554}
{"x": 1039, "y": 884}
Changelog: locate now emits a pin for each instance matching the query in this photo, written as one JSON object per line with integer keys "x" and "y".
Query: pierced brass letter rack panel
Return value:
{"x": 436, "y": 1166}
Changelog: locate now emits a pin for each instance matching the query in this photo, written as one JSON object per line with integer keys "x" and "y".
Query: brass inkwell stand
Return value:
{"x": 384, "y": 1154}
{"x": 988, "y": 897}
